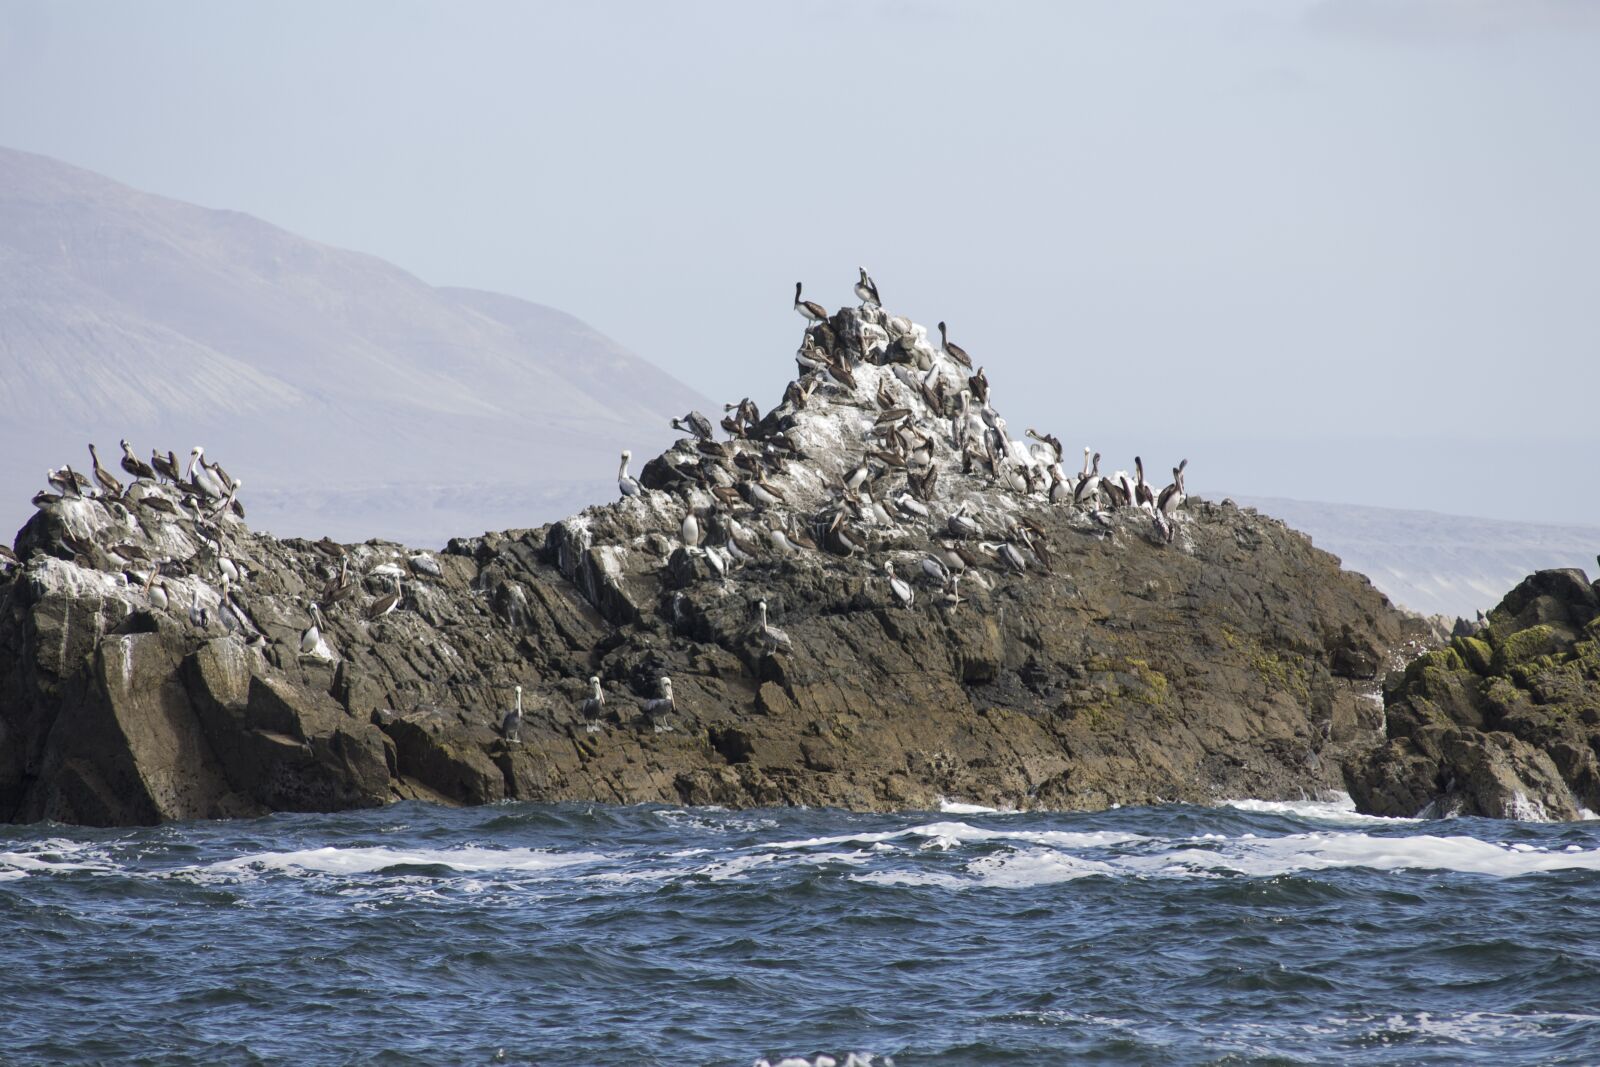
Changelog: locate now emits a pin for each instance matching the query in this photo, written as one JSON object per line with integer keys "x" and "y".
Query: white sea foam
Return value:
{"x": 331, "y": 860}
{"x": 957, "y": 807}
{"x": 965, "y": 833}
{"x": 1339, "y": 808}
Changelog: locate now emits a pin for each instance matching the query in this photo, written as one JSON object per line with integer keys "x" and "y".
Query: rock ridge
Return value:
{"x": 1089, "y": 654}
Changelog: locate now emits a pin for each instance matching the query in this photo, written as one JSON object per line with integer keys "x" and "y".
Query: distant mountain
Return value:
{"x": 352, "y": 397}
{"x": 1433, "y": 563}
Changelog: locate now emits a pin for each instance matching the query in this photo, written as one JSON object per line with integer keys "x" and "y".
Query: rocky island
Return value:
{"x": 870, "y": 596}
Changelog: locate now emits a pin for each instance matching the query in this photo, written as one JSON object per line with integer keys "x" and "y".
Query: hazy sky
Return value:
{"x": 1334, "y": 249}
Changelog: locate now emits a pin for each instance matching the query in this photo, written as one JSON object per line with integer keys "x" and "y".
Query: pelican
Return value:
{"x": 950, "y": 599}
{"x": 1090, "y": 484}
{"x": 198, "y": 616}
{"x": 935, "y": 569}
{"x": 1143, "y": 495}
{"x": 902, "y": 590}
{"x": 1173, "y": 496}
{"x": 108, "y": 485}
{"x": 135, "y": 466}
{"x": 809, "y": 310}
{"x": 69, "y": 481}
{"x": 662, "y": 705}
{"x": 156, "y": 589}
{"x": 962, "y": 526}
{"x": 772, "y": 639}
{"x": 202, "y": 477}
{"x": 595, "y": 705}
{"x": 385, "y": 604}
{"x": 694, "y": 423}
{"x": 312, "y": 635}
{"x": 959, "y": 354}
{"x": 1007, "y": 554}
{"x": 867, "y": 290}
{"x": 166, "y": 466}
{"x": 511, "y": 725}
{"x": 627, "y": 483}
{"x": 230, "y": 572}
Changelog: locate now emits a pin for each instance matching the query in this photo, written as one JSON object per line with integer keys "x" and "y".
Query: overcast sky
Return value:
{"x": 1344, "y": 250}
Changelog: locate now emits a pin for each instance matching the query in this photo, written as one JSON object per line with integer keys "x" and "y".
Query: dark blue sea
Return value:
{"x": 1244, "y": 934}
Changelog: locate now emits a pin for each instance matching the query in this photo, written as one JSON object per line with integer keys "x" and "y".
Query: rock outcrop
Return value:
{"x": 1503, "y": 723}
{"x": 1127, "y": 661}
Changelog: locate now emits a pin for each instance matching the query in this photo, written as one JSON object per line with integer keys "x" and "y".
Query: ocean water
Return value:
{"x": 574, "y": 934}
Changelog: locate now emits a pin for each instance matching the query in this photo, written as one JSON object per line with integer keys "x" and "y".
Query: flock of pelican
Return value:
{"x": 931, "y": 413}
{"x": 162, "y": 493}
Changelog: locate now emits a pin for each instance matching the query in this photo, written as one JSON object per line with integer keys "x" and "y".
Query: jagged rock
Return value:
{"x": 1505, "y": 723}
{"x": 1128, "y": 662}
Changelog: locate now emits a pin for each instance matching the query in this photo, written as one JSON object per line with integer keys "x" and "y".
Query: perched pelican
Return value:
{"x": 1172, "y": 497}
{"x": 956, "y": 352}
{"x": 694, "y": 423}
{"x": 662, "y": 705}
{"x": 156, "y": 589}
{"x": 960, "y": 525}
{"x": 511, "y": 725}
{"x": 627, "y": 483}
{"x": 108, "y": 485}
{"x": 1143, "y": 495}
{"x": 135, "y": 466}
{"x": 934, "y": 568}
{"x": 867, "y": 290}
{"x": 1007, "y": 554}
{"x": 595, "y": 705}
{"x": 1090, "y": 484}
{"x": 772, "y": 639}
{"x": 901, "y": 589}
{"x": 228, "y": 569}
{"x": 385, "y": 604}
{"x": 950, "y": 599}
{"x": 809, "y": 310}
{"x": 312, "y": 635}
{"x": 199, "y": 474}
{"x": 198, "y": 615}
{"x": 166, "y": 466}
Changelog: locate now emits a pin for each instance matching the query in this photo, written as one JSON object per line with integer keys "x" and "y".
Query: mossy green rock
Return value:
{"x": 1503, "y": 724}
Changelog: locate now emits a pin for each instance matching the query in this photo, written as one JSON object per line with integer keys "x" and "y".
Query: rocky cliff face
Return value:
{"x": 1088, "y": 655}
{"x": 1503, "y": 723}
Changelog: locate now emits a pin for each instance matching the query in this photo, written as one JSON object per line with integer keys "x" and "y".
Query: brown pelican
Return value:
{"x": 957, "y": 353}
{"x": 1143, "y": 495}
{"x": 1090, "y": 484}
{"x": 1007, "y": 553}
{"x": 312, "y": 635}
{"x": 69, "y": 481}
{"x": 950, "y": 599}
{"x": 201, "y": 476}
{"x": 662, "y": 705}
{"x": 156, "y": 589}
{"x": 511, "y": 725}
{"x": 198, "y": 616}
{"x": 385, "y": 604}
{"x": 934, "y": 568}
{"x": 901, "y": 589}
{"x": 595, "y": 705}
{"x": 166, "y": 466}
{"x": 867, "y": 290}
{"x": 108, "y": 485}
{"x": 134, "y": 465}
{"x": 694, "y": 423}
{"x": 627, "y": 483}
{"x": 810, "y": 311}
{"x": 960, "y": 525}
{"x": 979, "y": 384}
{"x": 1172, "y": 497}
{"x": 772, "y": 639}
